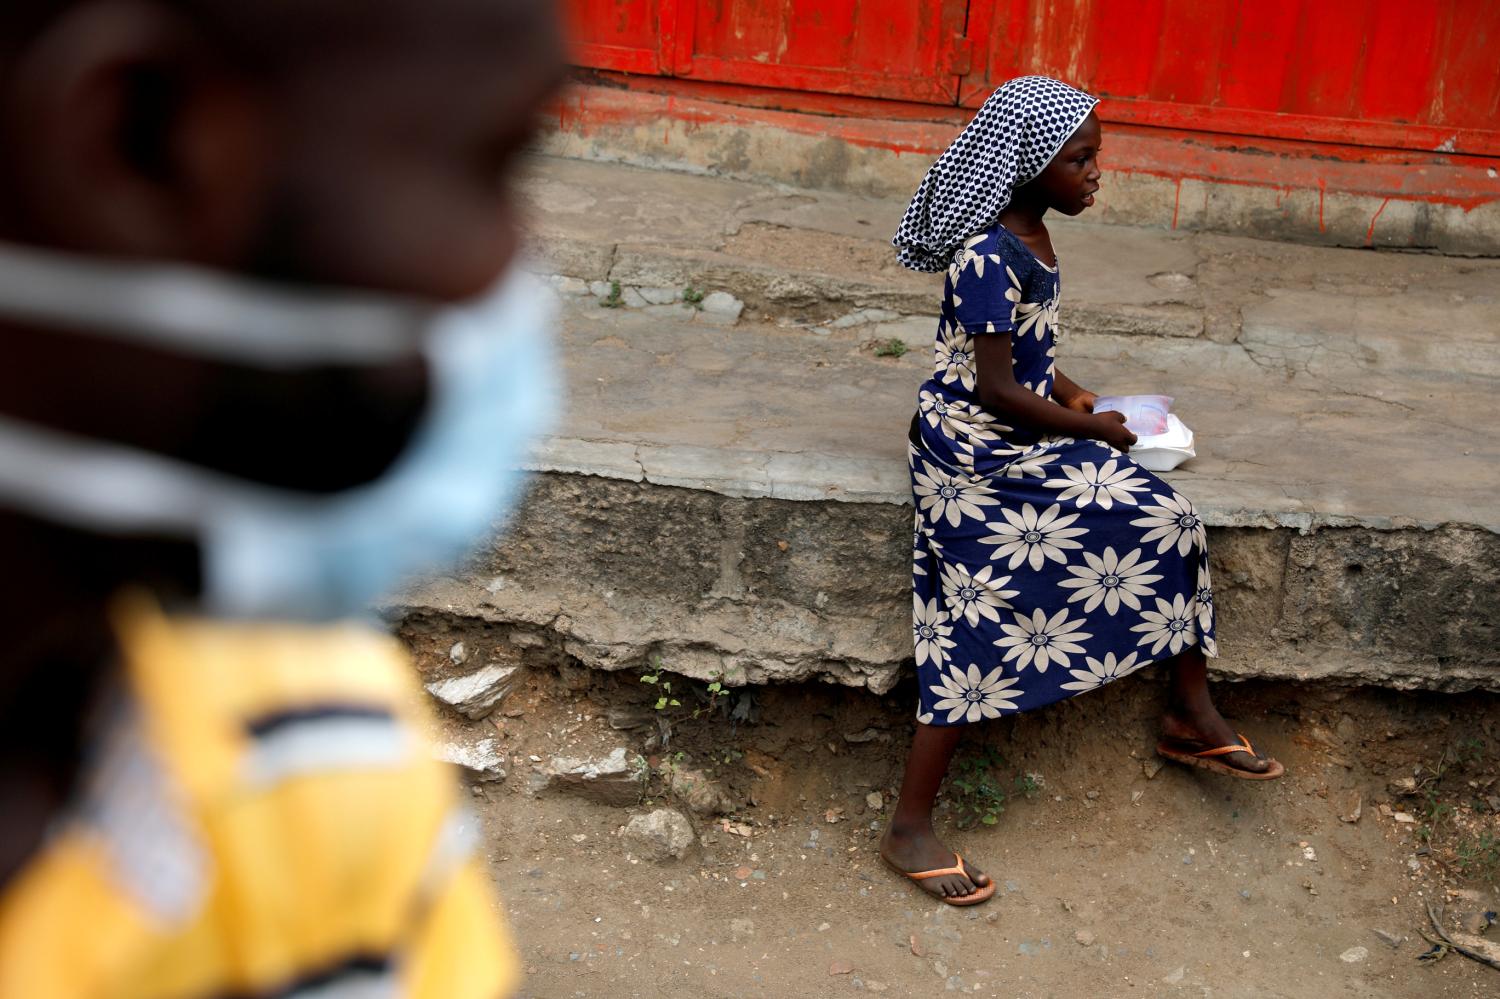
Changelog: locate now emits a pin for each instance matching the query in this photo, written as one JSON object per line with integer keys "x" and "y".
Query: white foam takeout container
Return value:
{"x": 1165, "y": 451}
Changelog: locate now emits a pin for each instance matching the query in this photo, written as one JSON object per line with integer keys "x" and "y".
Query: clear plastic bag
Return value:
{"x": 1145, "y": 415}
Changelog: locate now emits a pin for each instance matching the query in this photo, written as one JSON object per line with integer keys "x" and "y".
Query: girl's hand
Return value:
{"x": 1112, "y": 431}
{"x": 1083, "y": 402}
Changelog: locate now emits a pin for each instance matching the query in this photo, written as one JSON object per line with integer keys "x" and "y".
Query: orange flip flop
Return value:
{"x": 982, "y": 895}
{"x": 1205, "y": 759}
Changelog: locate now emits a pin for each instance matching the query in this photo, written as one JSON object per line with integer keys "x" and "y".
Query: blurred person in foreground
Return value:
{"x": 266, "y": 353}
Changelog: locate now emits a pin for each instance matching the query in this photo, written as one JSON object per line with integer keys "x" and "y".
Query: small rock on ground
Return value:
{"x": 476, "y": 694}
{"x": 613, "y": 780}
{"x": 662, "y": 835}
{"x": 480, "y": 759}
{"x": 565, "y": 285}
{"x": 700, "y": 793}
{"x": 1354, "y": 955}
{"x": 722, "y": 303}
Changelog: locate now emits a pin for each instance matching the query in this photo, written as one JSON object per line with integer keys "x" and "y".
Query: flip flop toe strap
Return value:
{"x": 957, "y": 868}
{"x": 1242, "y": 747}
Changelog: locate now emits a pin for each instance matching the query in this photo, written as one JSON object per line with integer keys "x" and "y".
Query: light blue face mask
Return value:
{"x": 271, "y": 553}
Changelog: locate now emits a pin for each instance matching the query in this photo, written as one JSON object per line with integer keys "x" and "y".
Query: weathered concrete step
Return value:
{"x": 735, "y": 501}
{"x": 1262, "y": 188}
{"x": 824, "y": 259}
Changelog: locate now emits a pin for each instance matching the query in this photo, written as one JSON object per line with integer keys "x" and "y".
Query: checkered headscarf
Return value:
{"x": 1011, "y": 140}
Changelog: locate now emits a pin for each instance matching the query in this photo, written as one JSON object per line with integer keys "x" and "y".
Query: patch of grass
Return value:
{"x": 613, "y": 299}
{"x": 1454, "y": 823}
{"x": 1030, "y": 785}
{"x": 894, "y": 347}
{"x": 693, "y": 297}
{"x": 977, "y": 792}
{"x": 1478, "y": 856}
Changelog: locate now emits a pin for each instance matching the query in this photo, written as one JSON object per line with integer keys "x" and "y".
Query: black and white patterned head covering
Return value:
{"x": 1012, "y": 139}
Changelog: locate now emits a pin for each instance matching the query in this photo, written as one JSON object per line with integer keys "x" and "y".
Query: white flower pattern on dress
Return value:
{"x": 1090, "y": 567}
{"x": 1030, "y": 464}
{"x": 1205, "y": 602}
{"x": 929, "y": 631}
{"x": 933, "y": 407}
{"x": 970, "y": 696}
{"x": 1205, "y": 598}
{"x": 1107, "y": 484}
{"x": 1111, "y": 581}
{"x": 1101, "y": 671}
{"x": 1172, "y": 626}
{"x": 1174, "y": 522}
{"x": 972, "y": 422}
{"x": 1040, "y": 641}
{"x": 1037, "y": 318}
{"x": 974, "y": 596}
{"x": 1033, "y": 538}
{"x": 953, "y": 358}
{"x": 968, "y": 257}
{"x": 948, "y": 497}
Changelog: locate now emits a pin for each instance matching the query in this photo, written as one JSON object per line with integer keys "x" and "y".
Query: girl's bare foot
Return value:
{"x": 1198, "y": 731}
{"x": 912, "y": 852}
{"x": 1192, "y": 720}
{"x": 910, "y": 845}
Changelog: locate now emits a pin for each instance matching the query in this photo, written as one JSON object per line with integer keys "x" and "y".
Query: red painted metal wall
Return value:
{"x": 1392, "y": 74}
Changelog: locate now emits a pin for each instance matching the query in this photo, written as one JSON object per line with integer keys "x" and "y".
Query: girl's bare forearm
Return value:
{"x": 1010, "y": 401}
{"x": 1018, "y": 406}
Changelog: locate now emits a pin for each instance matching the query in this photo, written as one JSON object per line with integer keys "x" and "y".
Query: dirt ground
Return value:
{"x": 1115, "y": 877}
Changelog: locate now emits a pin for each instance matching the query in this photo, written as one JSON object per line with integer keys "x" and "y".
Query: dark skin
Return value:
{"x": 1067, "y": 185}
{"x": 300, "y": 142}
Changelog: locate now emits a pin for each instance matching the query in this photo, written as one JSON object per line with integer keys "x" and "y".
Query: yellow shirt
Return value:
{"x": 262, "y": 818}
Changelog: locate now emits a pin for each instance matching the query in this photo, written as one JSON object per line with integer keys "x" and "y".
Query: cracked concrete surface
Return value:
{"x": 787, "y": 413}
{"x": 812, "y": 256}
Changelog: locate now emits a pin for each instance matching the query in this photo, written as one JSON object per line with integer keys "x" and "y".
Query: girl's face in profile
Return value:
{"x": 1068, "y": 183}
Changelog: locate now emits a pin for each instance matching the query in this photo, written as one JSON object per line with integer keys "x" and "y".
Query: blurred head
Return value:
{"x": 326, "y": 148}
{"x": 1069, "y": 180}
{"x": 337, "y": 142}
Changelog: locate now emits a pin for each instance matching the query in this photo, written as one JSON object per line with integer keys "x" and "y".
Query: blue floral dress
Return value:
{"x": 1042, "y": 566}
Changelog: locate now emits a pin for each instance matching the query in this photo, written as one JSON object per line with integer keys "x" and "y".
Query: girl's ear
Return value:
{"x": 130, "y": 137}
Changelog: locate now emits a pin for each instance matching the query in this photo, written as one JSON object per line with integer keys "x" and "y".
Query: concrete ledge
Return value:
{"x": 611, "y": 573}
{"x": 812, "y": 477}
